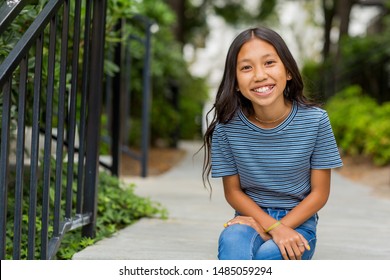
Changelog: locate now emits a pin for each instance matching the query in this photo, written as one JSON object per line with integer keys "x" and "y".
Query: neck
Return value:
{"x": 274, "y": 118}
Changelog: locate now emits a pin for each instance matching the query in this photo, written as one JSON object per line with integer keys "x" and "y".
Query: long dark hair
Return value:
{"x": 228, "y": 101}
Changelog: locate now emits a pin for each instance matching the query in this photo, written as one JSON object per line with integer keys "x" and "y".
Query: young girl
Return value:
{"x": 273, "y": 149}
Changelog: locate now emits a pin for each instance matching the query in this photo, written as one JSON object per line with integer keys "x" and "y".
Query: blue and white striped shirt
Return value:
{"x": 274, "y": 164}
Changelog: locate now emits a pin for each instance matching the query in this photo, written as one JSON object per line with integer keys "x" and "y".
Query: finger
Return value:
{"x": 304, "y": 241}
{"x": 301, "y": 247}
{"x": 291, "y": 253}
{"x": 225, "y": 225}
{"x": 228, "y": 223}
{"x": 283, "y": 252}
{"x": 298, "y": 250}
{"x": 232, "y": 222}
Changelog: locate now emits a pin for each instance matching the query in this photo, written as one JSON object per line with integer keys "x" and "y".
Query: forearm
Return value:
{"x": 304, "y": 210}
{"x": 247, "y": 207}
{"x": 320, "y": 189}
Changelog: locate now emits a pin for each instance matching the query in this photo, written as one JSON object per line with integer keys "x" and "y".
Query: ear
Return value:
{"x": 289, "y": 77}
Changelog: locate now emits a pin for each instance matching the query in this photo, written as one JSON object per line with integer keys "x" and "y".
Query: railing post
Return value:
{"x": 94, "y": 111}
{"x": 146, "y": 100}
{"x": 4, "y": 152}
{"x": 117, "y": 114}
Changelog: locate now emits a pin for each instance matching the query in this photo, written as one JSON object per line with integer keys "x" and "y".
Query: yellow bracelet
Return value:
{"x": 273, "y": 226}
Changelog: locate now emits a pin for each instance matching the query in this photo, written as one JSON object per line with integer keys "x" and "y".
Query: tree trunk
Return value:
{"x": 329, "y": 9}
{"x": 178, "y": 6}
{"x": 344, "y": 8}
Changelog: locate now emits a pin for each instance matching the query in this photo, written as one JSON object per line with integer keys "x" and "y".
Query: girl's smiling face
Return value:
{"x": 260, "y": 73}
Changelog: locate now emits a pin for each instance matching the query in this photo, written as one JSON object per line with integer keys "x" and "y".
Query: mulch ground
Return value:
{"x": 160, "y": 161}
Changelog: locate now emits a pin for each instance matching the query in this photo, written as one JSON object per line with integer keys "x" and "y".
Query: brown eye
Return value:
{"x": 246, "y": 67}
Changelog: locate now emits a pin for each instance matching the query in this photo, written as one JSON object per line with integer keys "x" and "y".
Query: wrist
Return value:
{"x": 272, "y": 227}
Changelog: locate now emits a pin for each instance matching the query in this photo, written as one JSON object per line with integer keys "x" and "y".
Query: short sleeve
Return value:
{"x": 222, "y": 159}
{"x": 326, "y": 154}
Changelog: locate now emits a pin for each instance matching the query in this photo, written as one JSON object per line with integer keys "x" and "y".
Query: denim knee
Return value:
{"x": 238, "y": 242}
{"x": 242, "y": 242}
{"x": 268, "y": 251}
{"x": 309, "y": 230}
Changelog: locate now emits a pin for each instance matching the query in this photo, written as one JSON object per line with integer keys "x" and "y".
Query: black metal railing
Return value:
{"x": 119, "y": 92}
{"x": 53, "y": 93}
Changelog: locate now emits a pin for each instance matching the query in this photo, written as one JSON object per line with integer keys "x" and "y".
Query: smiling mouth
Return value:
{"x": 264, "y": 90}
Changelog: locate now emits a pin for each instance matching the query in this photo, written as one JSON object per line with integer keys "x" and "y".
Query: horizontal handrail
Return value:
{"x": 22, "y": 47}
{"x": 9, "y": 10}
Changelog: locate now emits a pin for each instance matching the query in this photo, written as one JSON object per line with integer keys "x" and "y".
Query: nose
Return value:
{"x": 260, "y": 74}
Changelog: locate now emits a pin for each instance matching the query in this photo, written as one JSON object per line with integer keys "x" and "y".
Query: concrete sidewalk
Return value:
{"x": 353, "y": 225}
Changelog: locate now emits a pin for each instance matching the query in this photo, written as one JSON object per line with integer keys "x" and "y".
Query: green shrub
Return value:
{"x": 117, "y": 207}
{"x": 378, "y": 135}
{"x": 360, "y": 125}
{"x": 171, "y": 113}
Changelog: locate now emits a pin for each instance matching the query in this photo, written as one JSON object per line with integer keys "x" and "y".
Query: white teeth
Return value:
{"x": 263, "y": 89}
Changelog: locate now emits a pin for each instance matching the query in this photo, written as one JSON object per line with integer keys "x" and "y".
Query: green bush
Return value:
{"x": 117, "y": 208}
{"x": 378, "y": 135}
{"x": 312, "y": 75}
{"x": 360, "y": 125}
{"x": 169, "y": 113}
{"x": 167, "y": 66}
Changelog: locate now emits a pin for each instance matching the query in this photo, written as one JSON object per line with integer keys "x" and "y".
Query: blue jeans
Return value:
{"x": 242, "y": 242}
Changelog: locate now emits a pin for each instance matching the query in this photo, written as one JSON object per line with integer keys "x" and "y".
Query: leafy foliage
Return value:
{"x": 360, "y": 125}
{"x": 168, "y": 68}
{"x": 364, "y": 63}
{"x": 171, "y": 111}
{"x": 234, "y": 11}
{"x": 8, "y": 39}
{"x": 358, "y": 60}
{"x": 118, "y": 207}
